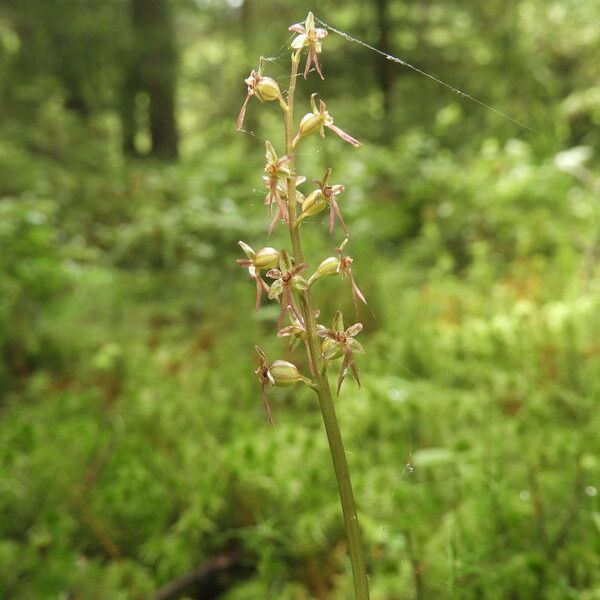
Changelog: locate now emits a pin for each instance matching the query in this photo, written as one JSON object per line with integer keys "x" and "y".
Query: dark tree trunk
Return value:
{"x": 385, "y": 68}
{"x": 75, "y": 99}
{"x": 152, "y": 69}
{"x": 130, "y": 88}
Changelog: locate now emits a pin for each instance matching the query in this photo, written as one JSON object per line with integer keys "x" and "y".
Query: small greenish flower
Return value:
{"x": 265, "y": 258}
{"x": 296, "y": 332}
{"x": 265, "y": 89}
{"x": 280, "y": 373}
{"x": 285, "y": 373}
{"x": 275, "y": 169}
{"x": 283, "y": 191}
{"x": 318, "y": 200}
{"x": 340, "y": 265}
{"x": 338, "y": 342}
{"x": 287, "y": 280}
{"x": 309, "y": 36}
{"x": 316, "y": 121}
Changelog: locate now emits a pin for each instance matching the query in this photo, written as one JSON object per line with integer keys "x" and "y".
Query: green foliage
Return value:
{"x": 31, "y": 275}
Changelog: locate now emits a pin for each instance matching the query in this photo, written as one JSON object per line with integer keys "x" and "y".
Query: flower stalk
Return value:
{"x": 290, "y": 287}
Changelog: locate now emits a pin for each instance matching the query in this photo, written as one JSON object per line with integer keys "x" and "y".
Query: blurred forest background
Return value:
{"x": 133, "y": 444}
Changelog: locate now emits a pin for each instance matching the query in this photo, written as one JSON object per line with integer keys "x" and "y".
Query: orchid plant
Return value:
{"x": 283, "y": 269}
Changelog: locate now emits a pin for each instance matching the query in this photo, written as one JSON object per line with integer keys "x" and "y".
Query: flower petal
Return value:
{"x": 299, "y": 283}
{"x": 270, "y": 155}
{"x": 354, "y": 370}
{"x": 354, "y": 329}
{"x": 247, "y": 250}
{"x": 331, "y": 350}
{"x": 342, "y": 374}
{"x": 240, "y": 120}
{"x": 276, "y": 289}
{"x": 285, "y": 262}
{"x": 337, "y": 324}
{"x": 356, "y": 291}
{"x": 267, "y": 407}
{"x": 315, "y": 59}
{"x": 331, "y": 217}
{"x": 336, "y": 209}
{"x": 308, "y": 62}
{"x": 259, "y": 291}
{"x": 355, "y": 346}
{"x": 300, "y": 41}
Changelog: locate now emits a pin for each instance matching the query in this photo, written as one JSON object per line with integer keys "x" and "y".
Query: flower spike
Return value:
{"x": 297, "y": 319}
{"x": 310, "y": 36}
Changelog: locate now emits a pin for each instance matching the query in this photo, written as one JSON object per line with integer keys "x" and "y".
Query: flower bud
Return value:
{"x": 266, "y": 258}
{"x": 267, "y": 89}
{"x": 330, "y": 266}
{"x": 285, "y": 373}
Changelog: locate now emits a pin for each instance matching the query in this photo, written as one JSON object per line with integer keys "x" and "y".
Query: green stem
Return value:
{"x": 336, "y": 446}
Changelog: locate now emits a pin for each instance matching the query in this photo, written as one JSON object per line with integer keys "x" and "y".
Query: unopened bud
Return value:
{"x": 330, "y": 266}
{"x": 266, "y": 258}
{"x": 267, "y": 89}
{"x": 285, "y": 373}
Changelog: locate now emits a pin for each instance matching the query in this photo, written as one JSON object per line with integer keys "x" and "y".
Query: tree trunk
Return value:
{"x": 384, "y": 68}
{"x": 152, "y": 69}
